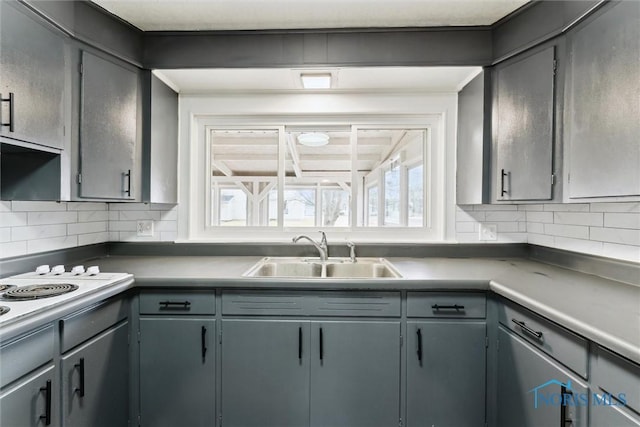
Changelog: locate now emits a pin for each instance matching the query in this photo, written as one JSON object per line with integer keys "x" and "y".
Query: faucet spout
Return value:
{"x": 321, "y": 247}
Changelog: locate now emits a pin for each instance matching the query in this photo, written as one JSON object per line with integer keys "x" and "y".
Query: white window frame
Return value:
{"x": 199, "y": 201}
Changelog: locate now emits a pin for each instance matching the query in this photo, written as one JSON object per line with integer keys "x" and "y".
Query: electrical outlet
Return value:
{"x": 144, "y": 228}
{"x": 488, "y": 232}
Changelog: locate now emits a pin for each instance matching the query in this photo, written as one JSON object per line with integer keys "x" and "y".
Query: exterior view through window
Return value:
{"x": 313, "y": 170}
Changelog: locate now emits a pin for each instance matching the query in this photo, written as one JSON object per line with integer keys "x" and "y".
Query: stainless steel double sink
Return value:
{"x": 332, "y": 268}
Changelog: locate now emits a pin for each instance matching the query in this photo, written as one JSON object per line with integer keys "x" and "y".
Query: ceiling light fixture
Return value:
{"x": 316, "y": 81}
{"x": 313, "y": 139}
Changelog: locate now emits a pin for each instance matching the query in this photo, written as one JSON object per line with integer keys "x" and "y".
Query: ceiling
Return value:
{"x": 367, "y": 79}
{"x": 194, "y": 15}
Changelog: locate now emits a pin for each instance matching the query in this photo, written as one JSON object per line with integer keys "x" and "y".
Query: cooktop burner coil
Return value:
{"x": 31, "y": 292}
{"x": 4, "y": 287}
{"x": 4, "y": 309}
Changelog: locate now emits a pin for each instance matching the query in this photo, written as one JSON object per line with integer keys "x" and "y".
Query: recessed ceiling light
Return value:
{"x": 313, "y": 139}
{"x": 316, "y": 81}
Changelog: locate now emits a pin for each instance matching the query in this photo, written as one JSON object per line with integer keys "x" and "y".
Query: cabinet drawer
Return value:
{"x": 179, "y": 302}
{"x": 616, "y": 375}
{"x": 79, "y": 327}
{"x": 446, "y": 304}
{"x": 278, "y": 303}
{"x": 25, "y": 354}
{"x": 565, "y": 346}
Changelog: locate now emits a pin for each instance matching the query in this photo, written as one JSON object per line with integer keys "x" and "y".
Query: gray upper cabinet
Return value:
{"x": 474, "y": 141}
{"x": 32, "y": 78}
{"x": 602, "y": 119}
{"x": 523, "y": 126}
{"x": 160, "y": 173}
{"x": 108, "y": 129}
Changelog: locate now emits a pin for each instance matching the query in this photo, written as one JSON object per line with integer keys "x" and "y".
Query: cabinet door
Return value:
{"x": 108, "y": 129}
{"x": 177, "y": 372}
{"x": 32, "y": 68}
{"x": 611, "y": 416}
{"x": 265, "y": 373}
{"x": 32, "y": 403}
{"x": 529, "y": 389}
{"x": 603, "y": 111}
{"x": 355, "y": 374}
{"x": 524, "y": 127}
{"x": 446, "y": 365}
{"x": 95, "y": 381}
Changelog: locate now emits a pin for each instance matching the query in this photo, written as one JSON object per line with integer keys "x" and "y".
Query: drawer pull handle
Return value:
{"x": 321, "y": 346}
{"x": 455, "y": 307}
{"x": 203, "y": 336}
{"x": 563, "y": 408}
{"x": 10, "y": 99}
{"x": 47, "y": 403}
{"x": 186, "y": 305}
{"x": 300, "y": 343}
{"x": 502, "y": 176}
{"x": 127, "y": 189}
{"x": 80, "y": 367}
{"x": 419, "y": 334}
{"x": 527, "y": 329}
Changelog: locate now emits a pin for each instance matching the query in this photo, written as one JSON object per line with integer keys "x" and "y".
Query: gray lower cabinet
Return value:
{"x": 446, "y": 373}
{"x": 32, "y": 402}
{"x": 265, "y": 373}
{"x": 610, "y": 415}
{"x": 95, "y": 381}
{"x": 319, "y": 373}
{"x": 602, "y": 118}
{"x": 533, "y": 390}
{"x": 177, "y": 371}
{"x": 355, "y": 373}
{"x": 32, "y": 77}
{"x": 108, "y": 129}
{"x": 523, "y": 126}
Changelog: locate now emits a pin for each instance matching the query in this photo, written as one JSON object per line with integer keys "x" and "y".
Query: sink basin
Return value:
{"x": 333, "y": 268}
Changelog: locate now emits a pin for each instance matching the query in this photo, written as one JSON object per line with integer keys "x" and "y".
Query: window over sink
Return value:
{"x": 360, "y": 181}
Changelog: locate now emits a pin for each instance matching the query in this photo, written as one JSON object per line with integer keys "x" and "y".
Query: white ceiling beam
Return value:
{"x": 295, "y": 157}
{"x": 218, "y": 164}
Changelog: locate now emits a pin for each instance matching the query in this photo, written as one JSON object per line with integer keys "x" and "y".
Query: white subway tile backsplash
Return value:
{"x": 622, "y": 220}
{"x": 505, "y": 216}
{"x": 624, "y": 252}
{"x": 5, "y": 206}
{"x": 530, "y": 207}
{"x": 471, "y": 216}
{"x": 616, "y": 207}
{"x": 138, "y": 215}
{"x": 546, "y": 217}
{"x": 42, "y": 218}
{"x": 11, "y": 249}
{"x": 55, "y": 243}
{"x": 540, "y": 239}
{"x": 562, "y": 230}
{"x": 23, "y": 206}
{"x": 166, "y": 226}
{"x": 13, "y": 219}
{"x": 494, "y": 208}
{"x": 535, "y": 227}
{"x": 578, "y": 245}
{"x": 93, "y": 238}
{"x": 87, "y": 227}
{"x": 466, "y": 227}
{"x": 87, "y": 206}
{"x": 578, "y": 218}
{"x": 122, "y": 225}
{"x": 569, "y": 207}
{"x": 5, "y": 235}
{"x": 129, "y": 206}
{"x": 38, "y": 232}
{"x": 92, "y": 216}
{"x": 616, "y": 235}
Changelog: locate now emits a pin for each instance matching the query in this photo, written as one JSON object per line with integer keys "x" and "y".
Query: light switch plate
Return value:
{"x": 488, "y": 232}
{"x": 144, "y": 228}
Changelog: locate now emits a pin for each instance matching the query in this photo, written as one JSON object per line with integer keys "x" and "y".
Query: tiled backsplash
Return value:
{"x": 607, "y": 229}
{"x": 31, "y": 227}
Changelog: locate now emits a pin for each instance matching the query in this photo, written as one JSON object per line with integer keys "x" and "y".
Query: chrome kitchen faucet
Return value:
{"x": 322, "y": 247}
